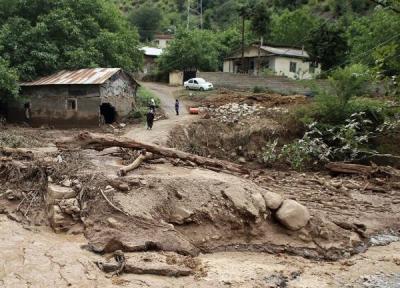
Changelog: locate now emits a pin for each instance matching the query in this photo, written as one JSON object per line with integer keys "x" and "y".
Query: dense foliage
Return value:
{"x": 38, "y": 37}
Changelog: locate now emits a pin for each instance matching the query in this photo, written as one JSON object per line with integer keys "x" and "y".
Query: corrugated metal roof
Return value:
{"x": 286, "y": 51}
{"x": 151, "y": 51}
{"x": 78, "y": 77}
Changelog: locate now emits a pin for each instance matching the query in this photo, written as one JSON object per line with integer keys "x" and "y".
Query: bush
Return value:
{"x": 143, "y": 98}
{"x": 259, "y": 89}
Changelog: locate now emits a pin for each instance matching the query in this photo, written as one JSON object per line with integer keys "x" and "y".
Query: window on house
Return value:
{"x": 72, "y": 104}
{"x": 293, "y": 67}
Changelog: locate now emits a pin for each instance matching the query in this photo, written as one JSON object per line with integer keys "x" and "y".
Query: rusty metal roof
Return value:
{"x": 77, "y": 77}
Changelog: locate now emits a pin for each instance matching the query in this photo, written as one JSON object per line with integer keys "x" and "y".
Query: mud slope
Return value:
{"x": 194, "y": 210}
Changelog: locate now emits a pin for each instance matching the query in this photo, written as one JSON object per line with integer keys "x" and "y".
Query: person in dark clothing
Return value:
{"x": 177, "y": 106}
{"x": 150, "y": 119}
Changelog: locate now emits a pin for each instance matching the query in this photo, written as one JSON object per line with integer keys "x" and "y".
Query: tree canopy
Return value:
{"x": 198, "y": 49}
{"x": 39, "y": 37}
{"x": 147, "y": 19}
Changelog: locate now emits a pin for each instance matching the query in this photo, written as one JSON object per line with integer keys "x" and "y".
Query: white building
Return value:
{"x": 283, "y": 61}
{"x": 162, "y": 40}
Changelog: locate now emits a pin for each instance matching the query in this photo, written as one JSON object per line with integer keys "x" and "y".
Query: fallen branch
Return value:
{"x": 373, "y": 170}
{"x": 135, "y": 164}
{"x": 111, "y": 204}
{"x": 92, "y": 141}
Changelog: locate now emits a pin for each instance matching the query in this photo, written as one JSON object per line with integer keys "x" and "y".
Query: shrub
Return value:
{"x": 258, "y": 89}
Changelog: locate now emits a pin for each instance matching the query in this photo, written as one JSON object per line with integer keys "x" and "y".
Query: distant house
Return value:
{"x": 150, "y": 55}
{"x": 162, "y": 40}
{"x": 284, "y": 61}
{"x": 85, "y": 97}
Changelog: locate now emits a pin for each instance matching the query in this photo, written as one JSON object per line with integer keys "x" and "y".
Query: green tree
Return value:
{"x": 197, "y": 49}
{"x": 373, "y": 36}
{"x": 8, "y": 81}
{"x": 292, "y": 27}
{"x": 147, "y": 19}
{"x": 39, "y": 37}
{"x": 327, "y": 45}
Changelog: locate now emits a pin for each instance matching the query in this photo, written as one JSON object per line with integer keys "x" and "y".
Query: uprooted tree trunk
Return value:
{"x": 373, "y": 170}
{"x": 93, "y": 141}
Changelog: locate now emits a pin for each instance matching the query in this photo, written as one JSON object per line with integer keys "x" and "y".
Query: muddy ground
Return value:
{"x": 173, "y": 223}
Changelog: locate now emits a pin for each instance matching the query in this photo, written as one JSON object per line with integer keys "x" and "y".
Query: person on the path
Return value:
{"x": 177, "y": 106}
{"x": 153, "y": 105}
{"x": 150, "y": 119}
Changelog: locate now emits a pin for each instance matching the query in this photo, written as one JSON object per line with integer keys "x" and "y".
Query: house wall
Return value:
{"x": 49, "y": 105}
{"x": 120, "y": 92}
{"x": 162, "y": 43}
{"x": 228, "y": 66}
{"x": 281, "y": 66}
{"x": 176, "y": 78}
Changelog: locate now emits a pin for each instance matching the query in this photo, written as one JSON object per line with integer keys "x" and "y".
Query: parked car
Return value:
{"x": 198, "y": 84}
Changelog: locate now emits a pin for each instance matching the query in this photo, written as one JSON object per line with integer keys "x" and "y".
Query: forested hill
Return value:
{"x": 219, "y": 14}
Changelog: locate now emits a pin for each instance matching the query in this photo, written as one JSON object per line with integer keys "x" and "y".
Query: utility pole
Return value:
{"x": 242, "y": 65}
{"x": 201, "y": 14}
{"x": 188, "y": 15}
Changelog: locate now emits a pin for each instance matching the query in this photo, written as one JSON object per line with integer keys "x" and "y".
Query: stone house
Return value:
{"x": 162, "y": 40}
{"x": 81, "y": 98}
{"x": 282, "y": 61}
{"x": 150, "y": 55}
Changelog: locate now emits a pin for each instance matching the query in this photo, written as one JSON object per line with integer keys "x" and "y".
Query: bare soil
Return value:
{"x": 175, "y": 218}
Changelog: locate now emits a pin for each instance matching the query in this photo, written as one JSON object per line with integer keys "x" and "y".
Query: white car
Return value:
{"x": 198, "y": 84}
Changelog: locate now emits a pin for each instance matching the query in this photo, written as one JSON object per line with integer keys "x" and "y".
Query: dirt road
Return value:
{"x": 162, "y": 128}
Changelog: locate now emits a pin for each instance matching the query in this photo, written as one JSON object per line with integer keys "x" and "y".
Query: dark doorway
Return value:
{"x": 108, "y": 112}
{"x": 189, "y": 74}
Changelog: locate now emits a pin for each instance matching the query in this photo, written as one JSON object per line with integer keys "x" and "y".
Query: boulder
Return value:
{"x": 180, "y": 215}
{"x": 241, "y": 200}
{"x": 272, "y": 200}
{"x": 293, "y": 215}
{"x": 56, "y": 192}
{"x": 259, "y": 202}
{"x": 59, "y": 220}
{"x": 69, "y": 206}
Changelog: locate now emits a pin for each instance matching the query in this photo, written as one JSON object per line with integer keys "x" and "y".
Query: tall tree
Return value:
{"x": 198, "y": 49}
{"x": 292, "y": 27}
{"x": 327, "y": 45}
{"x": 147, "y": 19}
{"x": 260, "y": 24}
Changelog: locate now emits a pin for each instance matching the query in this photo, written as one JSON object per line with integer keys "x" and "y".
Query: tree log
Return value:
{"x": 135, "y": 164}
{"x": 373, "y": 170}
{"x": 100, "y": 142}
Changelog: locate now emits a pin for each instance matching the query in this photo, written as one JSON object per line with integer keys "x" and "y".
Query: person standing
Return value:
{"x": 177, "y": 106}
{"x": 150, "y": 119}
{"x": 153, "y": 105}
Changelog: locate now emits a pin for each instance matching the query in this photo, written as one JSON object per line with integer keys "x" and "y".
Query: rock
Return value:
{"x": 272, "y": 200}
{"x": 242, "y": 160}
{"x": 180, "y": 215}
{"x": 13, "y": 195}
{"x": 241, "y": 200}
{"x": 156, "y": 269}
{"x": 113, "y": 222}
{"x": 123, "y": 187}
{"x": 66, "y": 183}
{"x": 56, "y": 192}
{"x": 70, "y": 206}
{"x": 293, "y": 215}
{"x": 259, "y": 202}
{"x": 59, "y": 221}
